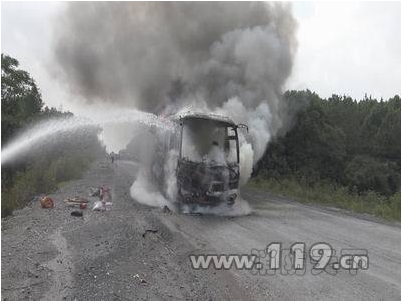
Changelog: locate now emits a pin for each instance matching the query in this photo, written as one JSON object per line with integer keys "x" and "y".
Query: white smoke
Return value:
{"x": 230, "y": 58}
{"x": 144, "y": 192}
{"x": 246, "y": 162}
{"x": 240, "y": 208}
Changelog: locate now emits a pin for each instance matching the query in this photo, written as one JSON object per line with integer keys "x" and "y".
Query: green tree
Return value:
{"x": 339, "y": 141}
{"x": 387, "y": 138}
{"x": 20, "y": 97}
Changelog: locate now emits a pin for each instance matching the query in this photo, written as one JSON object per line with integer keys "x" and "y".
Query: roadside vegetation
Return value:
{"x": 338, "y": 152}
{"x": 327, "y": 194}
{"x": 44, "y": 171}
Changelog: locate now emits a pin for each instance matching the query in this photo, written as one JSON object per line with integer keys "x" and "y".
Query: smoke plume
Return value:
{"x": 161, "y": 57}
{"x": 229, "y": 58}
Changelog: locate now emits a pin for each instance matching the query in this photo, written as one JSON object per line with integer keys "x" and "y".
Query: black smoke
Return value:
{"x": 227, "y": 57}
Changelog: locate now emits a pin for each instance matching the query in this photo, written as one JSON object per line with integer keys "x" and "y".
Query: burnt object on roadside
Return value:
{"x": 76, "y": 213}
{"x": 149, "y": 231}
{"x": 207, "y": 161}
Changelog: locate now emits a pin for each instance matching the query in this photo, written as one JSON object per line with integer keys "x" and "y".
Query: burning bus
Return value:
{"x": 206, "y": 160}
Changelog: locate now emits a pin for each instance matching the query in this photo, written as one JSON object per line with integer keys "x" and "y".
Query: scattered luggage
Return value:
{"x": 102, "y": 206}
{"x": 46, "y": 202}
{"x": 93, "y": 192}
{"x": 105, "y": 202}
{"x": 76, "y": 201}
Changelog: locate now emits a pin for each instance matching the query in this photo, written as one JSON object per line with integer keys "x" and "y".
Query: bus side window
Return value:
{"x": 231, "y": 146}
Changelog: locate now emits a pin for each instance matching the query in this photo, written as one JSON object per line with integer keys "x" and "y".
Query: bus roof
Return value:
{"x": 206, "y": 116}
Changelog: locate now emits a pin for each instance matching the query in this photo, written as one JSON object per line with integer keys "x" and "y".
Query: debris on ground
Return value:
{"x": 76, "y": 213}
{"x": 105, "y": 202}
{"x": 75, "y": 201}
{"x": 46, "y": 202}
{"x": 102, "y": 206}
{"x": 136, "y": 276}
{"x": 105, "y": 194}
{"x": 194, "y": 214}
{"x": 93, "y": 192}
{"x": 149, "y": 231}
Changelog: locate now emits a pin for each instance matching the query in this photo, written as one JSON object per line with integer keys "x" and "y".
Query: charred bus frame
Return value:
{"x": 206, "y": 182}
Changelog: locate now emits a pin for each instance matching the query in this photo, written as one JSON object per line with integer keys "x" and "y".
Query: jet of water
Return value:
{"x": 49, "y": 131}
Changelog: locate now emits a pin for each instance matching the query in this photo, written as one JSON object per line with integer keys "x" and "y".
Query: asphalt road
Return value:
{"x": 137, "y": 252}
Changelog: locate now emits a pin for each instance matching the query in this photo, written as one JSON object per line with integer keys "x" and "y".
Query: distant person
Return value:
{"x": 112, "y": 158}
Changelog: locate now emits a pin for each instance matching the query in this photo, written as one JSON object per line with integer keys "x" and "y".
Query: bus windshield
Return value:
{"x": 209, "y": 141}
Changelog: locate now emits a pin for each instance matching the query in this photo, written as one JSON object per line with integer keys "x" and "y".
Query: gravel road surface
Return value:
{"x": 137, "y": 252}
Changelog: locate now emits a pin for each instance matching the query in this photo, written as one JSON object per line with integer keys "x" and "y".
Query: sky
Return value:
{"x": 348, "y": 48}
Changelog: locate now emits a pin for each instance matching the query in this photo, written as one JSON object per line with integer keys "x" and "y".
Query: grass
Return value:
{"x": 328, "y": 194}
{"x": 42, "y": 178}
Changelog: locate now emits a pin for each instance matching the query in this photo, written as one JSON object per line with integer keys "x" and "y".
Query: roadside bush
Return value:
{"x": 328, "y": 194}
{"x": 366, "y": 173}
{"x": 42, "y": 179}
{"x": 46, "y": 171}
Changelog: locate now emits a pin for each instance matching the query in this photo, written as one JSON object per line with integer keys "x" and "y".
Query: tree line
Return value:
{"x": 339, "y": 140}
